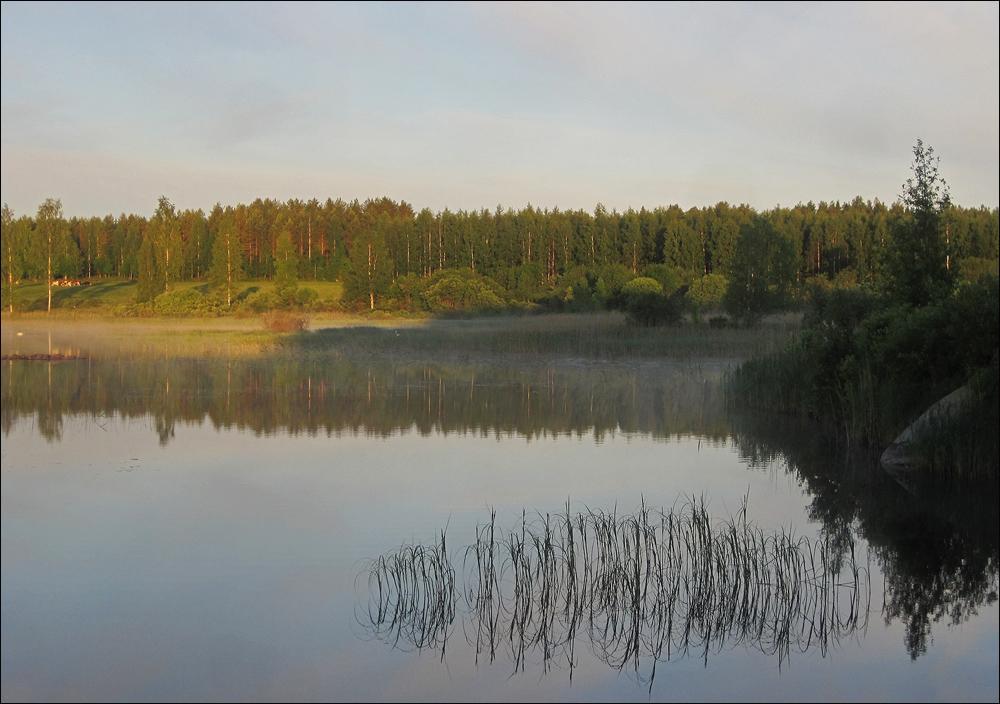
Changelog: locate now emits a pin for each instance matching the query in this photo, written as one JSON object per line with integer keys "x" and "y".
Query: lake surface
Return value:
{"x": 210, "y": 529}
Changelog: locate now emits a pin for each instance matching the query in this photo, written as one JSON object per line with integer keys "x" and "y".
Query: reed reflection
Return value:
{"x": 637, "y": 590}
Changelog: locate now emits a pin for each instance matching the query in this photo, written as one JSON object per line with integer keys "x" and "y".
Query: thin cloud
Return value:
{"x": 466, "y": 106}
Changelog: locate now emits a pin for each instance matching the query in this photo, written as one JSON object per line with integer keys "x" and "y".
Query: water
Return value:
{"x": 177, "y": 528}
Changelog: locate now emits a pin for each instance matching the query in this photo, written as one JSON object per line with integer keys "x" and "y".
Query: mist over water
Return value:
{"x": 181, "y": 527}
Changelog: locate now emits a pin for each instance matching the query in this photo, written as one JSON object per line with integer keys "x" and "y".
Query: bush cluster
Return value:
{"x": 872, "y": 365}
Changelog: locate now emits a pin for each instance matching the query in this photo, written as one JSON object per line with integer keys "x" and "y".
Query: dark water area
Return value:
{"x": 320, "y": 526}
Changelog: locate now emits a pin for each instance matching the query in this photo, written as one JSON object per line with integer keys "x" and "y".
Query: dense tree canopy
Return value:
{"x": 763, "y": 271}
{"x": 573, "y": 257}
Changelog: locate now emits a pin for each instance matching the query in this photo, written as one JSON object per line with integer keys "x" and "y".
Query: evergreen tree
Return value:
{"x": 917, "y": 270}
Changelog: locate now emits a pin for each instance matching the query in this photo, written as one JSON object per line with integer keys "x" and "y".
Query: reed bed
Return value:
{"x": 638, "y": 589}
{"x": 597, "y": 335}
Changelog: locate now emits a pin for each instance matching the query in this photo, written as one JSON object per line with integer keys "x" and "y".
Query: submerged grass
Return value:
{"x": 640, "y": 589}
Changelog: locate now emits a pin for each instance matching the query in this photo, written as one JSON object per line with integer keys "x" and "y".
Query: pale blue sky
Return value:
{"x": 468, "y": 106}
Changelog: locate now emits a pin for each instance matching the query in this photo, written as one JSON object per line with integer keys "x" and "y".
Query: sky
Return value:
{"x": 108, "y": 106}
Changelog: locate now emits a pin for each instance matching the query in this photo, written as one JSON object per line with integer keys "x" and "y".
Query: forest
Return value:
{"x": 392, "y": 257}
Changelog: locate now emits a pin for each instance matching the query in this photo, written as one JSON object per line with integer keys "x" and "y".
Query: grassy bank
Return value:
{"x": 104, "y": 296}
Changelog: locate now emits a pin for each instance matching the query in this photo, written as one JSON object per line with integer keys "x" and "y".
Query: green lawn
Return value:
{"x": 107, "y": 293}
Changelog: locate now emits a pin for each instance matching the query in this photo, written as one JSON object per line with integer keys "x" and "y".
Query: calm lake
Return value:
{"x": 178, "y": 528}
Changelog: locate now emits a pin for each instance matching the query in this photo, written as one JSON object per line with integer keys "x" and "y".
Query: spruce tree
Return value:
{"x": 916, "y": 264}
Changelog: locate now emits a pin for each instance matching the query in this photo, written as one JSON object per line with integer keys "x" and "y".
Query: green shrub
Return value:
{"x": 454, "y": 289}
{"x": 188, "y": 301}
{"x": 670, "y": 278}
{"x": 305, "y": 297}
{"x": 644, "y": 302}
{"x": 261, "y": 301}
{"x": 707, "y": 292}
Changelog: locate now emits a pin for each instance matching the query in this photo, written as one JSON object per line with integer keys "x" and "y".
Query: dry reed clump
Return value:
{"x": 639, "y": 589}
{"x": 282, "y": 321}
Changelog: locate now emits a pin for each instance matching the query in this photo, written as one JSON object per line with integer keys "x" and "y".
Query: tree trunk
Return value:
{"x": 48, "y": 277}
{"x": 371, "y": 288}
{"x": 947, "y": 244}
{"x": 229, "y": 272}
{"x": 10, "y": 276}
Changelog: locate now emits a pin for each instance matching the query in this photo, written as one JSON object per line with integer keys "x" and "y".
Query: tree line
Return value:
{"x": 385, "y": 250}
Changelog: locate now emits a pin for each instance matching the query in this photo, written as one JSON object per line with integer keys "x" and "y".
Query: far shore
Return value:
{"x": 322, "y": 319}
{"x": 599, "y": 335}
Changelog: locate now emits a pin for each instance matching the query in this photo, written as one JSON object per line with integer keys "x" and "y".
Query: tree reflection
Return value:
{"x": 936, "y": 541}
{"x": 936, "y": 546}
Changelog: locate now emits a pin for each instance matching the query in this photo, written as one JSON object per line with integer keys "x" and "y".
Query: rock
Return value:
{"x": 900, "y": 458}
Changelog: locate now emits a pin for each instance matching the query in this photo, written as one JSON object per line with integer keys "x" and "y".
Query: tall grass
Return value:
{"x": 599, "y": 335}
{"x": 284, "y": 321}
{"x": 639, "y": 589}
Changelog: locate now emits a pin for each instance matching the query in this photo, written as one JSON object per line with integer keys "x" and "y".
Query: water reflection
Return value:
{"x": 638, "y": 589}
{"x": 936, "y": 547}
{"x": 937, "y": 544}
{"x": 333, "y": 395}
